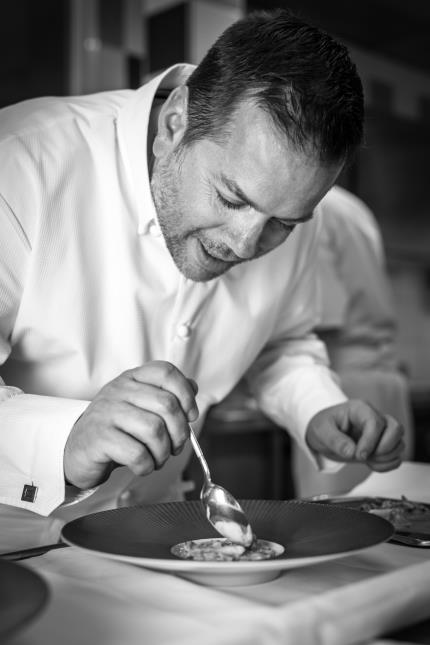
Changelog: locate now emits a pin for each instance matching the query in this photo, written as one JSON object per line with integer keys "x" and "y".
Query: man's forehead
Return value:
{"x": 249, "y": 120}
{"x": 258, "y": 164}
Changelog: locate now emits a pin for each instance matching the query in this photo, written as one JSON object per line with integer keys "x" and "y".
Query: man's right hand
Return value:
{"x": 137, "y": 420}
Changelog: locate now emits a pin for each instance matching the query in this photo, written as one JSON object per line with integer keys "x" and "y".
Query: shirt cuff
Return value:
{"x": 34, "y": 433}
{"x": 297, "y": 399}
{"x": 323, "y": 395}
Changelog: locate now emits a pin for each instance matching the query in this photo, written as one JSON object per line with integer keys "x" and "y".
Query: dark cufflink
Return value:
{"x": 29, "y": 493}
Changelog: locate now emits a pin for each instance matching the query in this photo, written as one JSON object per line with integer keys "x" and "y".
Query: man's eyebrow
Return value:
{"x": 238, "y": 192}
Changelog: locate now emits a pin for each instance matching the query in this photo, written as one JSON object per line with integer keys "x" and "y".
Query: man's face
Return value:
{"x": 222, "y": 204}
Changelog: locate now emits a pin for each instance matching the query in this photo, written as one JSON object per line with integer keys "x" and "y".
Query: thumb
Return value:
{"x": 327, "y": 434}
{"x": 194, "y": 385}
{"x": 367, "y": 426}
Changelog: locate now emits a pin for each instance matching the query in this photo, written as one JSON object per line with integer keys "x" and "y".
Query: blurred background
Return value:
{"x": 60, "y": 47}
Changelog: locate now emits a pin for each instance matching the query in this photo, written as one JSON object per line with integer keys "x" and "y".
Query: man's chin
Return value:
{"x": 198, "y": 274}
{"x": 198, "y": 265}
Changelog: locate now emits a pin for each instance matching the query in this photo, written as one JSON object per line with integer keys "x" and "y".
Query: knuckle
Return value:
{"x": 178, "y": 448}
{"x": 161, "y": 461}
{"x": 157, "y": 428}
{"x": 106, "y": 391}
{"x": 361, "y": 405}
{"x": 125, "y": 376}
{"x": 96, "y": 420}
{"x": 141, "y": 461}
{"x": 178, "y": 442}
{"x": 112, "y": 389}
{"x": 167, "y": 368}
{"x": 169, "y": 403}
{"x": 143, "y": 468}
{"x": 138, "y": 455}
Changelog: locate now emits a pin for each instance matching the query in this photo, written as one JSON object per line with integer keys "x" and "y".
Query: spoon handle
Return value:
{"x": 199, "y": 454}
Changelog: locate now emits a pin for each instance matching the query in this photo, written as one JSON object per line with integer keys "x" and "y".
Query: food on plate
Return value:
{"x": 223, "y": 550}
{"x": 402, "y": 513}
{"x": 235, "y": 532}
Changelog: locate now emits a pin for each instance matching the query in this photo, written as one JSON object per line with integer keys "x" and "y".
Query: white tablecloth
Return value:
{"x": 96, "y": 601}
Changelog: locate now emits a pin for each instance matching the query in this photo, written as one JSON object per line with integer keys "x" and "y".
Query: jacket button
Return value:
{"x": 184, "y": 331}
{"x": 154, "y": 229}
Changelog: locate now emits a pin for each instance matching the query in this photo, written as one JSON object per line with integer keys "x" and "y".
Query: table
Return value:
{"x": 355, "y": 599}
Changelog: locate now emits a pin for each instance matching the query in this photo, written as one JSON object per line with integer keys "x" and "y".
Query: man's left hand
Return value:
{"x": 355, "y": 432}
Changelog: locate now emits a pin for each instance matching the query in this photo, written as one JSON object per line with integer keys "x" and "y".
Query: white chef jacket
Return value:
{"x": 88, "y": 290}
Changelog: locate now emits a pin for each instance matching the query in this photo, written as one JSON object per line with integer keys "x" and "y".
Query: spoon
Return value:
{"x": 222, "y": 510}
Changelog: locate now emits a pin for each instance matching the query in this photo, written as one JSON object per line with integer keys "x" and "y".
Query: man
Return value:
{"x": 358, "y": 326}
{"x": 129, "y": 304}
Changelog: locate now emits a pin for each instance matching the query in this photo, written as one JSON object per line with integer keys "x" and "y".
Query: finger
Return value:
{"x": 123, "y": 449}
{"x": 393, "y": 433}
{"x": 194, "y": 385}
{"x": 386, "y": 466}
{"x": 147, "y": 428}
{"x": 166, "y": 376}
{"x": 369, "y": 427}
{"x": 323, "y": 436}
{"x": 163, "y": 405}
{"x": 397, "y": 451}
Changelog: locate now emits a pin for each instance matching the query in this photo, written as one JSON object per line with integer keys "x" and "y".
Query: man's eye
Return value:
{"x": 228, "y": 204}
{"x": 287, "y": 226}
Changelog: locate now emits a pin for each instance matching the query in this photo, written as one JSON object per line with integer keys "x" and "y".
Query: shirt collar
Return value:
{"x": 133, "y": 120}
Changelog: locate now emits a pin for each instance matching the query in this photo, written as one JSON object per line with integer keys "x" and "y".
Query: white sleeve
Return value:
{"x": 33, "y": 429}
{"x": 291, "y": 378}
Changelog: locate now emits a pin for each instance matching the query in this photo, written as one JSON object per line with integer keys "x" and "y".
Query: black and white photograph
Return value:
{"x": 215, "y": 322}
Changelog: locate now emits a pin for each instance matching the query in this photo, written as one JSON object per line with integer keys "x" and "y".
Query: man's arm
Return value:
{"x": 294, "y": 386}
{"x": 291, "y": 379}
{"x": 33, "y": 429}
{"x": 138, "y": 419}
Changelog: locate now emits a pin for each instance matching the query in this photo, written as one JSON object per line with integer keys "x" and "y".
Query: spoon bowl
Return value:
{"x": 222, "y": 510}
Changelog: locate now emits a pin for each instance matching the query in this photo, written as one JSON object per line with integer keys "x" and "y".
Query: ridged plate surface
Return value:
{"x": 308, "y": 532}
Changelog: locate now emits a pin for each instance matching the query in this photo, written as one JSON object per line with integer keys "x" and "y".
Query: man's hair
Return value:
{"x": 302, "y": 77}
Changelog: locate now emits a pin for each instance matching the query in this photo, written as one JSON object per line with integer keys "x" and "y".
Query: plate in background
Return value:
{"x": 310, "y": 533}
{"x": 410, "y": 518}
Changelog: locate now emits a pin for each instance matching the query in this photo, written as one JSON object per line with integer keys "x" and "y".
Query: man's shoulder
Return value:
{"x": 37, "y": 115}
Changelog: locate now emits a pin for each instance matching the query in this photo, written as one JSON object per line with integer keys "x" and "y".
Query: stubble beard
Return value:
{"x": 171, "y": 210}
{"x": 166, "y": 196}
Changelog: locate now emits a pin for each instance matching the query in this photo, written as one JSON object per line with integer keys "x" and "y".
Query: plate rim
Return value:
{"x": 224, "y": 568}
{"x": 177, "y": 565}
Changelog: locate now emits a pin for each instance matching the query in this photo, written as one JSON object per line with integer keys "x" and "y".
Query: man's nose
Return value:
{"x": 246, "y": 235}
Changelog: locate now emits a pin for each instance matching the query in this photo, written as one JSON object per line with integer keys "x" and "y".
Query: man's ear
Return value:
{"x": 172, "y": 121}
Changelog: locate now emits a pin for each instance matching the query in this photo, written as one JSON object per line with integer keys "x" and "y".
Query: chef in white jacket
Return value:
{"x": 128, "y": 299}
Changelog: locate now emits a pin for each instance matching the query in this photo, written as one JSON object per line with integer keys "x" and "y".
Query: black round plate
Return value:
{"x": 23, "y": 593}
{"x": 307, "y": 531}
